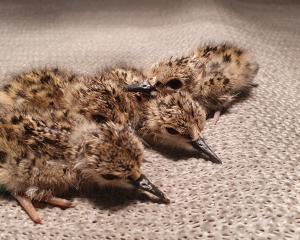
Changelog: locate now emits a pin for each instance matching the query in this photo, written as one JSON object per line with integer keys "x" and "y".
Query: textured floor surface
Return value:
{"x": 255, "y": 194}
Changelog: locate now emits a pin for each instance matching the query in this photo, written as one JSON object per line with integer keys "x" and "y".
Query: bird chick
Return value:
{"x": 214, "y": 75}
{"x": 173, "y": 120}
{"x": 41, "y": 158}
{"x": 177, "y": 121}
{"x": 153, "y": 118}
{"x": 101, "y": 98}
{"x": 92, "y": 96}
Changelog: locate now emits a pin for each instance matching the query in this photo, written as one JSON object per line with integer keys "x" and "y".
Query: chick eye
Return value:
{"x": 109, "y": 176}
{"x": 99, "y": 118}
{"x": 172, "y": 131}
{"x": 130, "y": 178}
{"x": 174, "y": 83}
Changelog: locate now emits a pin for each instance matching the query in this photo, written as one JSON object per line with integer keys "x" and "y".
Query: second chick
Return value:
{"x": 214, "y": 75}
{"x": 43, "y": 155}
{"x": 174, "y": 120}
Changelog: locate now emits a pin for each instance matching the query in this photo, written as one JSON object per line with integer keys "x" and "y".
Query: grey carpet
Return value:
{"x": 254, "y": 194}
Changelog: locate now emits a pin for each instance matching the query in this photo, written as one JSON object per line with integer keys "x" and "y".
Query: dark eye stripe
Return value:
{"x": 172, "y": 131}
{"x": 110, "y": 176}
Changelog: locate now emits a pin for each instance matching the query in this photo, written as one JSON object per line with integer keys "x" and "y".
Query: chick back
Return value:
{"x": 98, "y": 97}
{"x": 225, "y": 69}
{"x": 34, "y": 155}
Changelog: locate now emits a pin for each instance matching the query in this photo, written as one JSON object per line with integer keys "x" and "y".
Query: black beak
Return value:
{"x": 144, "y": 184}
{"x": 201, "y": 145}
{"x": 144, "y": 87}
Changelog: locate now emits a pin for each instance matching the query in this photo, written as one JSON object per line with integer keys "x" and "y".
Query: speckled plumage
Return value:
{"x": 214, "y": 75}
{"x": 50, "y": 154}
{"x": 65, "y": 91}
{"x": 172, "y": 119}
{"x": 44, "y": 154}
{"x": 101, "y": 98}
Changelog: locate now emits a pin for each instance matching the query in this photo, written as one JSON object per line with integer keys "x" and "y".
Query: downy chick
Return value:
{"x": 95, "y": 97}
{"x": 214, "y": 75}
{"x": 101, "y": 98}
{"x": 175, "y": 120}
{"x": 43, "y": 155}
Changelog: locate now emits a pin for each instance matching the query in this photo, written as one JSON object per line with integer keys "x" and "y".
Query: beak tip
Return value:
{"x": 202, "y": 146}
{"x": 166, "y": 201}
{"x": 218, "y": 161}
{"x": 214, "y": 159}
{"x": 143, "y": 183}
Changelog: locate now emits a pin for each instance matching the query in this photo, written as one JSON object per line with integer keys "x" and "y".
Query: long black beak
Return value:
{"x": 144, "y": 87}
{"x": 201, "y": 145}
{"x": 144, "y": 184}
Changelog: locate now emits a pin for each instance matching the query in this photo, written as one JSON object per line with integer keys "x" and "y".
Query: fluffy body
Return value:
{"x": 43, "y": 154}
{"x": 214, "y": 75}
{"x": 92, "y": 96}
{"x": 101, "y": 98}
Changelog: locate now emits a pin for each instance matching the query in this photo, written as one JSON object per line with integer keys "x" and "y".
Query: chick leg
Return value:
{"x": 29, "y": 208}
{"x": 59, "y": 202}
{"x": 216, "y": 117}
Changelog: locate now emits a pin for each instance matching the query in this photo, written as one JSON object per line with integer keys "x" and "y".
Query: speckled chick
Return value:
{"x": 175, "y": 120}
{"x": 214, "y": 75}
{"x": 101, "y": 98}
{"x": 91, "y": 96}
{"x": 44, "y": 154}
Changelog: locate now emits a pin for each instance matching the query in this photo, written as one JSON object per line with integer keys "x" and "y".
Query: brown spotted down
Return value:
{"x": 214, "y": 75}
{"x": 49, "y": 154}
{"x": 101, "y": 98}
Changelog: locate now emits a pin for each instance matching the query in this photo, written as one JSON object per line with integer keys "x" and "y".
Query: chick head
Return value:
{"x": 176, "y": 120}
{"x": 112, "y": 155}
